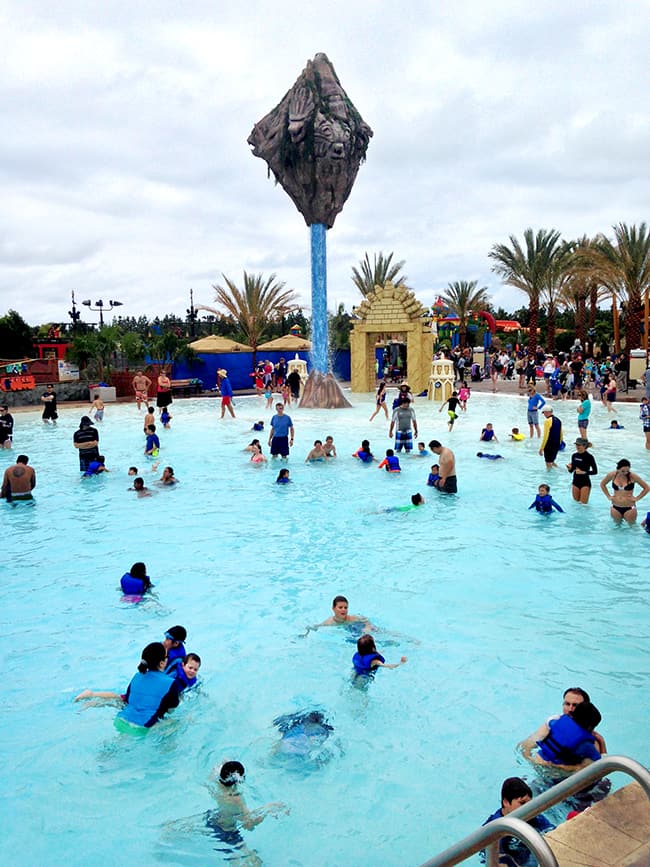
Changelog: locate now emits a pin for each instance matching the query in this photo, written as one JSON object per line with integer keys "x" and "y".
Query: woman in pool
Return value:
{"x": 253, "y": 444}
{"x": 380, "y": 399}
{"x": 623, "y": 502}
{"x": 151, "y": 693}
{"x": 168, "y": 477}
{"x": 164, "y": 396}
{"x": 609, "y": 396}
{"x": 582, "y": 465}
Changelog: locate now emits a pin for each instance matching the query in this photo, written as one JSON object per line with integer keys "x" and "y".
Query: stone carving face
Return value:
{"x": 314, "y": 142}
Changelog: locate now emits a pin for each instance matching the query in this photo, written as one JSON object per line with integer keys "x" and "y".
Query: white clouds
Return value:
{"x": 125, "y": 169}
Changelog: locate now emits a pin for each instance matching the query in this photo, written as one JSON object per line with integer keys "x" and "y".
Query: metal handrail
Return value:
{"x": 514, "y": 824}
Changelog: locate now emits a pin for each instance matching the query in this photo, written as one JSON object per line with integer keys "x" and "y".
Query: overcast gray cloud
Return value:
{"x": 126, "y": 174}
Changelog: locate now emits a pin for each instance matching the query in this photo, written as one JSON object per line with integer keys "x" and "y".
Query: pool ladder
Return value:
{"x": 515, "y": 823}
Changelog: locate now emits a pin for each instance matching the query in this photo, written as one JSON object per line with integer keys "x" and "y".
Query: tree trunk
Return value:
{"x": 581, "y": 333}
{"x": 632, "y": 322}
{"x": 550, "y": 328}
{"x": 532, "y": 327}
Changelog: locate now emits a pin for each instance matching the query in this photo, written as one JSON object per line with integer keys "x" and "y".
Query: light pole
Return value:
{"x": 74, "y": 314}
{"x": 99, "y": 305}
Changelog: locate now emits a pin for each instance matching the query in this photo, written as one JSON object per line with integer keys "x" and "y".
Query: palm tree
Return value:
{"x": 378, "y": 274}
{"x": 527, "y": 269}
{"x": 255, "y": 306}
{"x": 623, "y": 266}
{"x": 463, "y": 298}
{"x": 558, "y": 278}
{"x": 583, "y": 283}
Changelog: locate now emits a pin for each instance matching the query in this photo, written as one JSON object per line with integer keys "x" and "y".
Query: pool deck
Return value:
{"x": 613, "y": 833}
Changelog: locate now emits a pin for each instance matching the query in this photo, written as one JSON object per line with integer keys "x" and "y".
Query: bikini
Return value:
{"x": 623, "y": 509}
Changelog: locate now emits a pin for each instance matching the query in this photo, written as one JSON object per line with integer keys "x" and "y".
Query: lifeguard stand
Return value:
{"x": 441, "y": 380}
{"x": 300, "y": 365}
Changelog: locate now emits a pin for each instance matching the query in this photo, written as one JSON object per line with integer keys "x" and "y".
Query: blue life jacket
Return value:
{"x": 93, "y": 466}
{"x": 361, "y": 662}
{"x": 176, "y": 671}
{"x": 433, "y": 478}
{"x": 132, "y": 586}
{"x": 393, "y": 464}
{"x": 544, "y": 503}
{"x": 560, "y": 743}
{"x": 144, "y": 695}
{"x": 173, "y": 655}
{"x": 365, "y": 457}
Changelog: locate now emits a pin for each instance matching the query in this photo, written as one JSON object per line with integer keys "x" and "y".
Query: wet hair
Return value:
{"x": 101, "y": 459}
{"x": 283, "y": 474}
{"x": 134, "y": 469}
{"x": 150, "y": 409}
{"x": 548, "y": 487}
{"x": 586, "y": 715}
{"x": 338, "y": 599}
{"x": 390, "y": 453}
{"x": 192, "y": 656}
{"x": 152, "y": 656}
{"x": 434, "y": 444}
{"x": 366, "y": 644}
{"x": 623, "y": 463}
{"x": 138, "y": 483}
{"x": 254, "y": 443}
{"x": 231, "y": 773}
{"x": 435, "y": 466}
{"x": 178, "y": 633}
{"x": 578, "y": 691}
{"x": 365, "y": 444}
{"x": 152, "y": 428}
{"x": 170, "y": 470}
{"x": 417, "y": 499}
{"x": 22, "y": 459}
{"x": 138, "y": 570}
{"x": 514, "y": 787}
{"x": 96, "y": 397}
{"x": 318, "y": 442}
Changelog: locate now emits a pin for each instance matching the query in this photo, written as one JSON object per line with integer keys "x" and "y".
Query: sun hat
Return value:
{"x": 222, "y": 372}
{"x": 547, "y": 408}
{"x": 581, "y": 441}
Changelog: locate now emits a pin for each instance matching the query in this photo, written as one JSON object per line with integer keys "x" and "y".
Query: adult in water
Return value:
{"x": 552, "y": 437}
{"x": 583, "y": 466}
{"x": 164, "y": 391}
{"x": 86, "y": 440}
{"x": 447, "y": 460}
{"x": 622, "y": 499}
{"x": 18, "y": 481}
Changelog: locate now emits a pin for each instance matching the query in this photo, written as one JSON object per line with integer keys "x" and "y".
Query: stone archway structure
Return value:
{"x": 386, "y": 312}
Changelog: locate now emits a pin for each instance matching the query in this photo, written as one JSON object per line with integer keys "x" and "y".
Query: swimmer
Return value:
{"x": 516, "y": 436}
{"x": 257, "y": 457}
{"x": 149, "y": 696}
{"x": 434, "y": 475}
{"x": 136, "y": 582}
{"x": 582, "y": 465}
{"x": 94, "y": 468}
{"x": 317, "y": 453}
{"x": 363, "y": 453}
{"x": 258, "y": 426}
{"x": 232, "y": 812}
{"x": 185, "y": 671}
{"x": 268, "y": 394}
{"x": 133, "y": 471}
{"x": 253, "y": 444}
{"x": 303, "y": 733}
{"x": 329, "y": 447}
{"x": 340, "y": 617}
{"x": 488, "y": 434}
{"x": 173, "y": 644}
{"x": 570, "y": 743}
{"x": 283, "y": 478}
{"x": 645, "y": 523}
{"x": 168, "y": 477}
{"x": 390, "y": 463}
{"x": 416, "y": 500}
{"x": 166, "y": 417}
{"x": 571, "y": 698}
{"x": 367, "y": 660}
{"x": 140, "y": 488}
{"x": 97, "y": 405}
{"x": 614, "y": 425}
{"x": 422, "y": 451}
{"x": 543, "y": 502}
{"x": 489, "y": 457}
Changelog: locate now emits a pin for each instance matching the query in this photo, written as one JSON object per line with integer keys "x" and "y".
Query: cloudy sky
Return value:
{"x": 126, "y": 174}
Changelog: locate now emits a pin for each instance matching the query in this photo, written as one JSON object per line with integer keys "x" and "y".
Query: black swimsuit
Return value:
{"x": 623, "y": 509}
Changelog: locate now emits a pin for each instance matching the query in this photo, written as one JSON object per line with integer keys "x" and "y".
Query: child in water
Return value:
{"x": 98, "y": 406}
{"x": 543, "y": 502}
{"x": 464, "y": 395}
{"x": 363, "y": 453}
{"x": 96, "y": 467}
{"x": 488, "y": 434}
{"x": 257, "y": 457}
{"x": 268, "y": 394}
{"x": 516, "y": 436}
{"x": 422, "y": 452}
{"x": 434, "y": 475}
{"x": 489, "y": 457}
{"x": 185, "y": 671}
{"x": 283, "y": 477}
{"x": 366, "y": 660}
{"x": 453, "y": 403}
{"x": 136, "y": 582}
{"x": 390, "y": 463}
{"x": 645, "y": 523}
{"x": 165, "y": 417}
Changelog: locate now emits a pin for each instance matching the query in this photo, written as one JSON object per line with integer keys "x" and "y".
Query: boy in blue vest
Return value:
{"x": 513, "y": 852}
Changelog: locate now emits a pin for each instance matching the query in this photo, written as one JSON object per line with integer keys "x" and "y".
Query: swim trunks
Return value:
{"x": 280, "y": 446}
{"x": 404, "y": 440}
{"x": 449, "y": 486}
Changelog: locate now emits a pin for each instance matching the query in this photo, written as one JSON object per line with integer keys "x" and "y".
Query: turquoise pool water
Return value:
{"x": 498, "y": 609}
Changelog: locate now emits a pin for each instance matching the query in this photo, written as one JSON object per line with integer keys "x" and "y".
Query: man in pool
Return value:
{"x": 86, "y": 440}
{"x": 340, "y": 617}
{"x": 141, "y": 385}
{"x": 573, "y": 696}
{"x": 19, "y": 481}
{"x": 281, "y": 435}
{"x": 447, "y": 460}
{"x": 404, "y": 418}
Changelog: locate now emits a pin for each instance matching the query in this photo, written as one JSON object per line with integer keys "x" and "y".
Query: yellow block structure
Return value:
{"x": 390, "y": 313}
{"x": 441, "y": 380}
